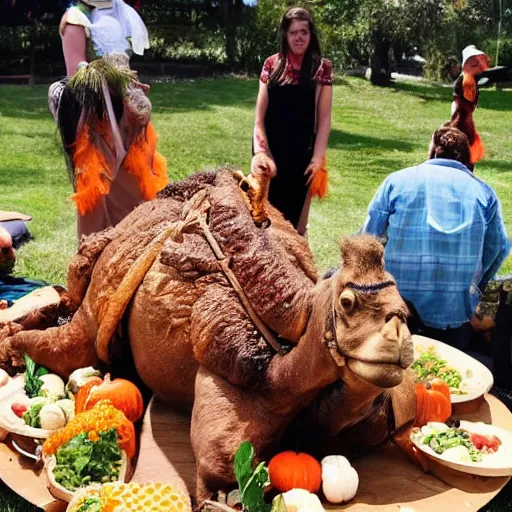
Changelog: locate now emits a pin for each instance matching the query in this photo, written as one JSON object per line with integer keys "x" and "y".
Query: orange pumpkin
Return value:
{"x": 433, "y": 402}
{"x": 122, "y": 394}
{"x": 291, "y": 470}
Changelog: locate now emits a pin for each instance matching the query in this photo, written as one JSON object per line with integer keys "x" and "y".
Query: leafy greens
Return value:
{"x": 33, "y": 383}
{"x": 252, "y": 483}
{"x": 429, "y": 366}
{"x": 82, "y": 461}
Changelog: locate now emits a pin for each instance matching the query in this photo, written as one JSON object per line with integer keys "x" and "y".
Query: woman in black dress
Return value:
{"x": 293, "y": 117}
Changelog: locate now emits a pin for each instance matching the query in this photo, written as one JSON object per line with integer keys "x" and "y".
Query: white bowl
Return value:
{"x": 497, "y": 464}
{"x": 476, "y": 377}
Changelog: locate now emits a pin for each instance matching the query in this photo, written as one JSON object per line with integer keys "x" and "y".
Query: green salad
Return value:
{"x": 82, "y": 461}
{"x": 429, "y": 366}
{"x": 440, "y": 441}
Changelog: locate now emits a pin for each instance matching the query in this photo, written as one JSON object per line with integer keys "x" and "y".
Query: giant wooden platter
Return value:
{"x": 388, "y": 481}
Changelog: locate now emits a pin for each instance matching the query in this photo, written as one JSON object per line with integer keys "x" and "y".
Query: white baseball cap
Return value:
{"x": 470, "y": 51}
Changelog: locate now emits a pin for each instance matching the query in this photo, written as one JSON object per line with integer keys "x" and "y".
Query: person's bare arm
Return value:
{"x": 324, "y": 109}
{"x": 74, "y": 47}
{"x": 262, "y": 160}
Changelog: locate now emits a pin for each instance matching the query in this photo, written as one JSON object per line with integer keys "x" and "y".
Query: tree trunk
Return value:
{"x": 379, "y": 64}
{"x": 230, "y": 30}
{"x": 32, "y": 55}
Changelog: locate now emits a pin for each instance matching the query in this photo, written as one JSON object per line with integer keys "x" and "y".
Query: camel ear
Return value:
{"x": 363, "y": 253}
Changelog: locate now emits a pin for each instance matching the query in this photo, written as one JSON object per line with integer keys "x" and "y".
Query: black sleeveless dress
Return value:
{"x": 290, "y": 128}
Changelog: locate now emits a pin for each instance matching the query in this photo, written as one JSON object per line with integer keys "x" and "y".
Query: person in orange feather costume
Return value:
{"x": 293, "y": 119}
{"x": 476, "y": 72}
{"x": 103, "y": 114}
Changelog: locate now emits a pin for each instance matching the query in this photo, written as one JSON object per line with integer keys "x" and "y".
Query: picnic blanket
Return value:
{"x": 13, "y": 288}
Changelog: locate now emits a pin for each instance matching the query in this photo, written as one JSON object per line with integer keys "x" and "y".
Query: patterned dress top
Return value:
{"x": 323, "y": 75}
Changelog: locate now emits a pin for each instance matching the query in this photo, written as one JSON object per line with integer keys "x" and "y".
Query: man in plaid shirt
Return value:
{"x": 445, "y": 237}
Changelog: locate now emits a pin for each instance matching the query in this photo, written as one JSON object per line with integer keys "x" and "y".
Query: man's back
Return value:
{"x": 436, "y": 217}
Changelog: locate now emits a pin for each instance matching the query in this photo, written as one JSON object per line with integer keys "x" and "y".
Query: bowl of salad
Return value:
{"x": 96, "y": 446}
{"x": 474, "y": 448}
{"x": 467, "y": 378}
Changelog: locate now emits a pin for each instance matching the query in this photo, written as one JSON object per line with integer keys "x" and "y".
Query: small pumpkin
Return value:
{"x": 291, "y": 470}
{"x": 121, "y": 393}
{"x": 433, "y": 402}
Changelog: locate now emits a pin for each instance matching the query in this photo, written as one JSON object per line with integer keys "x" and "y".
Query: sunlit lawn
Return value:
{"x": 205, "y": 123}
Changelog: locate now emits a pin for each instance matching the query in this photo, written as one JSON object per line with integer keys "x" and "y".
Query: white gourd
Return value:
{"x": 300, "y": 500}
{"x": 339, "y": 479}
{"x": 52, "y": 417}
{"x": 53, "y": 386}
{"x": 79, "y": 378}
{"x": 336, "y": 460}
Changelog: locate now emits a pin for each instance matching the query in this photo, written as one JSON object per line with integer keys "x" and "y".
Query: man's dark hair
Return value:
{"x": 449, "y": 142}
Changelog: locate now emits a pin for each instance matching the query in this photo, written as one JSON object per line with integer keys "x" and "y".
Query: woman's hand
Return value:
{"x": 314, "y": 166}
{"x": 263, "y": 164}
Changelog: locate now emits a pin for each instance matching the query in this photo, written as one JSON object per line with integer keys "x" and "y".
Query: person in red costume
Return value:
{"x": 476, "y": 72}
{"x": 293, "y": 119}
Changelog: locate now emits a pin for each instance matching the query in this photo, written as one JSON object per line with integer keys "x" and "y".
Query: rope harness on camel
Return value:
{"x": 330, "y": 335}
{"x": 194, "y": 218}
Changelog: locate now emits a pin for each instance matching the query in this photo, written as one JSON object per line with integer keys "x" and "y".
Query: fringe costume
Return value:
{"x": 103, "y": 115}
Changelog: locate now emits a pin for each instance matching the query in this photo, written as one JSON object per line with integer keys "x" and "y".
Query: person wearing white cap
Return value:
{"x": 103, "y": 114}
{"x": 475, "y": 73}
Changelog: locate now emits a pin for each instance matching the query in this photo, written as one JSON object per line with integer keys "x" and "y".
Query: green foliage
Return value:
{"x": 33, "y": 371}
{"x": 251, "y": 483}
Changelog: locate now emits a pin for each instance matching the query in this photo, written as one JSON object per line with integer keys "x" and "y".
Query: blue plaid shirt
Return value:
{"x": 446, "y": 238}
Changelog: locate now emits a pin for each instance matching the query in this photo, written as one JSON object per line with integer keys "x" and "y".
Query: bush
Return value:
{"x": 505, "y": 50}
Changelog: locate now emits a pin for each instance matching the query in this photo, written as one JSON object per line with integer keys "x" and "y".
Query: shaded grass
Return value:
{"x": 205, "y": 123}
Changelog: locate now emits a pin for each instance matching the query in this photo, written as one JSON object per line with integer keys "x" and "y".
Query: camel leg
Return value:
{"x": 61, "y": 349}
{"x": 223, "y": 417}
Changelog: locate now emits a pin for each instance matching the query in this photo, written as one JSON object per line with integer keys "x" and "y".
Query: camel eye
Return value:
{"x": 347, "y": 300}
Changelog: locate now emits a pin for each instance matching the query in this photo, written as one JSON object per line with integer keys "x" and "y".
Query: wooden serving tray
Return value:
{"x": 388, "y": 481}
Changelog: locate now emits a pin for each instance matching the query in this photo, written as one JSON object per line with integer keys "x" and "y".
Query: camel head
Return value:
{"x": 368, "y": 316}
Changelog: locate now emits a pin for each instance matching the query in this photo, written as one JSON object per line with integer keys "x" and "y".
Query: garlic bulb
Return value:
{"x": 4, "y": 377}
{"x": 339, "y": 479}
{"x": 53, "y": 386}
{"x": 52, "y": 417}
{"x": 300, "y": 500}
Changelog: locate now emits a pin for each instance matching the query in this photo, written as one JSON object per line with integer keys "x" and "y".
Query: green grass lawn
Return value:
{"x": 205, "y": 123}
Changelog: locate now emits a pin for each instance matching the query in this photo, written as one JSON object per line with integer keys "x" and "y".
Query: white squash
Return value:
{"x": 300, "y": 500}
{"x": 339, "y": 479}
{"x": 68, "y": 408}
{"x": 53, "y": 386}
{"x": 4, "y": 377}
{"x": 52, "y": 417}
